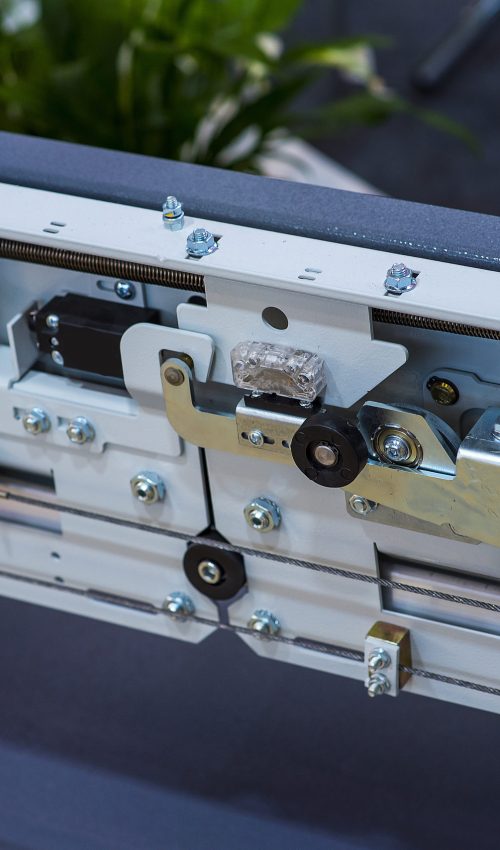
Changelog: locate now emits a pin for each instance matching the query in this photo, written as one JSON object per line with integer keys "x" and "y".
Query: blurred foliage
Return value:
{"x": 201, "y": 80}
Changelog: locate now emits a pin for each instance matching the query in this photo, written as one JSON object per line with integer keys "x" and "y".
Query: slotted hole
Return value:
{"x": 314, "y": 271}
{"x": 306, "y": 277}
{"x": 50, "y": 230}
{"x": 63, "y": 224}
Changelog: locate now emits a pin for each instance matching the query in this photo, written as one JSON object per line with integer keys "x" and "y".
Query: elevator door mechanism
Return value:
{"x": 397, "y": 456}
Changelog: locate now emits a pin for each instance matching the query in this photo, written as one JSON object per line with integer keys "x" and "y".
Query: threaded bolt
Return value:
{"x": 173, "y": 214}
{"x": 200, "y": 243}
{"x": 36, "y": 421}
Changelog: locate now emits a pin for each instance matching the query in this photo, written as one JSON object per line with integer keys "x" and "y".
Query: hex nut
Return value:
{"x": 200, "y": 243}
{"x": 173, "y": 214}
{"x": 179, "y": 605}
{"x": 148, "y": 488}
{"x": 36, "y": 421}
{"x": 264, "y": 623}
{"x": 80, "y": 431}
{"x": 262, "y": 514}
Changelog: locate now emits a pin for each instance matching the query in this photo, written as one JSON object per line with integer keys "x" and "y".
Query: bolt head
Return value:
{"x": 124, "y": 289}
{"x": 80, "y": 431}
{"x": 36, "y": 422}
{"x": 209, "y": 571}
{"x": 200, "y": 243}
{"x": 148, "y": 488}
{"x": 362, "y": 506}
{"x": 495, "y": 433}
{"x": 262, "y": 515}
{"x": 396, "y": 448}
{"x": 52, "y": 322}
{"x": 57, "y": 358}
{"x": 326, "y": 455}
{"x": 442, "y": 391}
{"x": 174, "y": 376}
{"x": 377, "y": 685}
{"x": 179, "y": 605}
{"x": 264, "y": 623}
{"x": 256, "y": 438}
{"x": 379, "y": 659}
{"x": 399, "y": 279}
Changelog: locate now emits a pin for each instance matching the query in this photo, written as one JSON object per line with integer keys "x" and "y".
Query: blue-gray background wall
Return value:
{"x": 404, "y": 157}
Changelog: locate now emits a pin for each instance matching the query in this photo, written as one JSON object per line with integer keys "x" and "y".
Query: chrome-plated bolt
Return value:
{"x": 262, "y": 514}
{"x": 397, "y": 449}
{"x": 378, "y": 659}
{"x": 52, "y": 322}
{"x": 325, "y": 454}
{"x": 80, "y": 431}
{"x": 256, "y": 438}
{"x": 495, "y": 433}
{"x": 124, "y": 289}
{"x": 174, "y": 376}
{"x": 57, "y": 358}
{"x": 209, "y": 571}
{"x": 399, "y": 279}
{"x": 362, "y": 506}
{"x": 148, "y": 488}
{"x": 377, "y": 685}
{"x": 264, "y": 623}
{"x": 173, "y": 214}
{"x": 36, "y": 421}
{"x": 179, "y": 605}
{"x": 200, "y": 243}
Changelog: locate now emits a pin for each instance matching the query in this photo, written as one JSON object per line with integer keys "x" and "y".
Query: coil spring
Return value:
{"x": 78, "y": 261}
{"x": 391, "y": 317}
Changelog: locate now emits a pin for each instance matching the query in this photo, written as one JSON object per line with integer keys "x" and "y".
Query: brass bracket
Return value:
{"x": 226, "y": 432}
{"x": 387, "y": 649}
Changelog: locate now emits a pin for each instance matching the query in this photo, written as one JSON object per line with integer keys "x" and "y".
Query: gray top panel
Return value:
{"x": 365, "y": 220}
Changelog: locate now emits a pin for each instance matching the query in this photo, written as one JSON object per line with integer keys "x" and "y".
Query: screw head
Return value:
{"x": 377, "y": 685}
{"x": 124, "y": 289}
{"x": 362, "y": 506}
{"x": 179, "y": 605}
{"x": 209, "y": 571}
{"x": 326, "y": 455}
{"x": 36, "y": 421}
{"x": 256, "y": 438}
{"x": 264, "y": 623}
{"x": 80, "y": 431}
{"x": 148, "y": 488}
{"x": 174, "y": 376}
{"x": 57, "y": 358}
{"x": 200, "y": 243}
{"x": 442, "y": 391}
{"x": 52, "y": 322}
{"x": 262, "y": 515}
{"x": 397, "y": 448}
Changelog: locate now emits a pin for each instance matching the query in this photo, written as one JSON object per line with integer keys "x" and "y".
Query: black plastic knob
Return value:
{"x": 329, "y": 450}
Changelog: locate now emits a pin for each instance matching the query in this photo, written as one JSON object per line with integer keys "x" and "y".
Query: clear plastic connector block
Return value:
{"x": 266, "y": 367}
